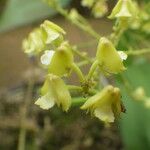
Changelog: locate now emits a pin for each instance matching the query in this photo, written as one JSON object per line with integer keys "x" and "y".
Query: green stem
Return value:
{"x": 127, "y": 85}
{"x": 78, "y": 101}
{"x": 74, "y": 87}
{"x": 88, "y": 29}
{"x": 86, "y": 44}
{"x": 138, "y": 52}
{"x": 78, "y": 72}
{"x": 82, "y": 63}
{"x": 119, "y": 29}
{"x": 81, "y": 55}
{"x": 92, "y": 69}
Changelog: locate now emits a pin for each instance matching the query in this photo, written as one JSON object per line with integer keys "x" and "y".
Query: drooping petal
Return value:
{"x": 104, "y": 113}
{"x": 60, "y": 91}
{"x": 46, "y": 101}
{"x": 54, "y": 91}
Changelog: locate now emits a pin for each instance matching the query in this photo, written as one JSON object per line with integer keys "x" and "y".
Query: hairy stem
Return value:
{"x": 74, "y": 87}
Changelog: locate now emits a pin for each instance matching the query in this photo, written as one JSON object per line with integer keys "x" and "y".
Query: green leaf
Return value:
{"x": 22, "y": 12}
{"x": 135, "y": 124}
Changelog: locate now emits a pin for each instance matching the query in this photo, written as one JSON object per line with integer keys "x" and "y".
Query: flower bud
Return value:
{"x": 54, "y": 91}
{"x": 40, "y": 38}
{"x": 87, "y": 3}
{"x": 105, "y": 105}
{"x": 124, "y": 9}
{"x": 99, "y": 9}
{"x": 139, "y": 93}
{"x": 53, "y": 32}
{"x": 109, "y": 59}
{"x": 62, "y": 60}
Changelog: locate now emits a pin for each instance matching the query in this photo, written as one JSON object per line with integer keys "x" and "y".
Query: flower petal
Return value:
{"x": 45, "y": 102}
{"x": 104, "y": 113}
{"x": 47, "y": 57}
{"x": 52, "y": 35}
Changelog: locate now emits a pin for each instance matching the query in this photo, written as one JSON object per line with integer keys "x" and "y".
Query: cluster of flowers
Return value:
{"x": 59, "y": 62}
{"x": 57, "y": 56}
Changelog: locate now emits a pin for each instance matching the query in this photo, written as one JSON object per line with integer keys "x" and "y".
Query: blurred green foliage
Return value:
{"x": 136, "y": 122}
{"x": 22, "y": 12}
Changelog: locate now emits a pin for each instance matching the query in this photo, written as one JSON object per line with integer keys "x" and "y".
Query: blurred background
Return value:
{"x": 54, "y": 130}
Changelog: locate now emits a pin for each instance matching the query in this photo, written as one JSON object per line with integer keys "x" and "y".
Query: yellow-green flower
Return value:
{"x": 35, "y": 42}
{"x": 105, "y": 105}
{"x": 124, "y": 9}
{"x": 59, "y": 62}
{"x": 110, "y": 60}
{"x": 99, "y": 8}
{"x": 41, "y": 38}
{"x": 54, "y": 91}
{"x": 53, "y": 32}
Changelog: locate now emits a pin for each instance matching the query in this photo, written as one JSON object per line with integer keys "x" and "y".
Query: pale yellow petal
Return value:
{"x": 45, "y": 102}
{"x": 105, "y": 114}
